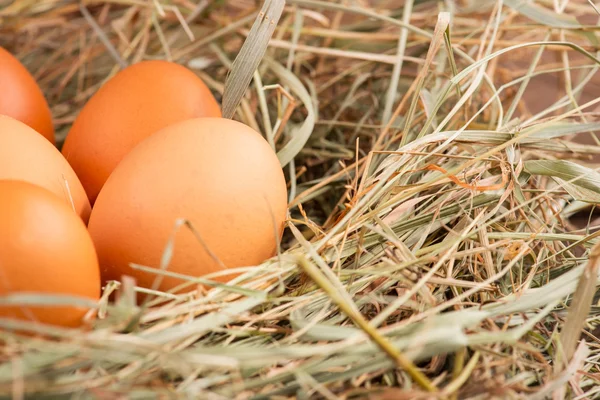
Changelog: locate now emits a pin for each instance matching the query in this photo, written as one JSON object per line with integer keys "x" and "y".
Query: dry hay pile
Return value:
{"x": 433, "y": 182}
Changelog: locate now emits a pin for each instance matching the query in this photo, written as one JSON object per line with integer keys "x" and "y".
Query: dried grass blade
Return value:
{"x": 438, "y": 38}
{"x": 300, "y": 134}
{"x": 250, "y": 55}
{"x": 205, "y": 323}
{"x": 393, "y": 89}
{"x": 581, "y": 304}
{"x": 102, "y": 36}
{"x": 543, "y": 15}
{"x": 567, "y": 170}
{"x": 557, "y": 384}
{"x": 450, "y": 50}
{"x": 372, "y": 332}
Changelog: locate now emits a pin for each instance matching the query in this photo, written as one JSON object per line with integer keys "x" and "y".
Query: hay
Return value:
{"x": 432, "y": 242}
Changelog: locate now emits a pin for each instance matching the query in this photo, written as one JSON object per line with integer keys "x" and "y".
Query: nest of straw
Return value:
{"x": 432, "y": 250}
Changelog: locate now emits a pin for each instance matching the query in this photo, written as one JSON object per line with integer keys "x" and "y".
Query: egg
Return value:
{"x": 218, "y": 174}
{"x": 22, "y": 98}
{"x": 25, "y": 155}
{"x": 135, "y": 103}
{"x": 44, "y": 248}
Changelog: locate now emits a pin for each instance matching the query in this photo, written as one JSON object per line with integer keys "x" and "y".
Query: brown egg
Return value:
{"x": 22, "y": 98}
{"x": 44, "y": 248}
{"x": 135, "y": 103}
{"x": 25, "y": 155}
{"x": 219, "y": 174}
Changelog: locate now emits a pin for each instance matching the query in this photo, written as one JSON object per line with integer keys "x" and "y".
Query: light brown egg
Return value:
{"x": 22, "y": 98}
{"x": 44, "y": 249}
{"x": 135, "y": 103}
{"x": 219, "y": 174}
{"x": 25, "y": 155}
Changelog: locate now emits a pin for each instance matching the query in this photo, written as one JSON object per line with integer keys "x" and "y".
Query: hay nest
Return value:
{"x": 433, "y": 179}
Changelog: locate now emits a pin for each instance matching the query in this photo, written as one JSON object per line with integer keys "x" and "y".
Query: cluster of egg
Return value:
{"x": 148, "y": 149}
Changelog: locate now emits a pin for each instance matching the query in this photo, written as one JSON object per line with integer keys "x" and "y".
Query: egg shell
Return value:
{"x": 44, "y": 248}
{"x": 219, "y": 174}
{"x": 132, "y": 105}
{"x": 25, "y": 155}
{"x": 22, "y": 98}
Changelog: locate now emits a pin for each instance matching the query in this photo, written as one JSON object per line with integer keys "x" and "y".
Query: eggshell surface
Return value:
{"x": 44, "y": 248}
{"x": 21, "y": 97}
{"x": 135, "y": 103}
{"x": 219, "y": 174}
{"x": 25, "y": 155}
